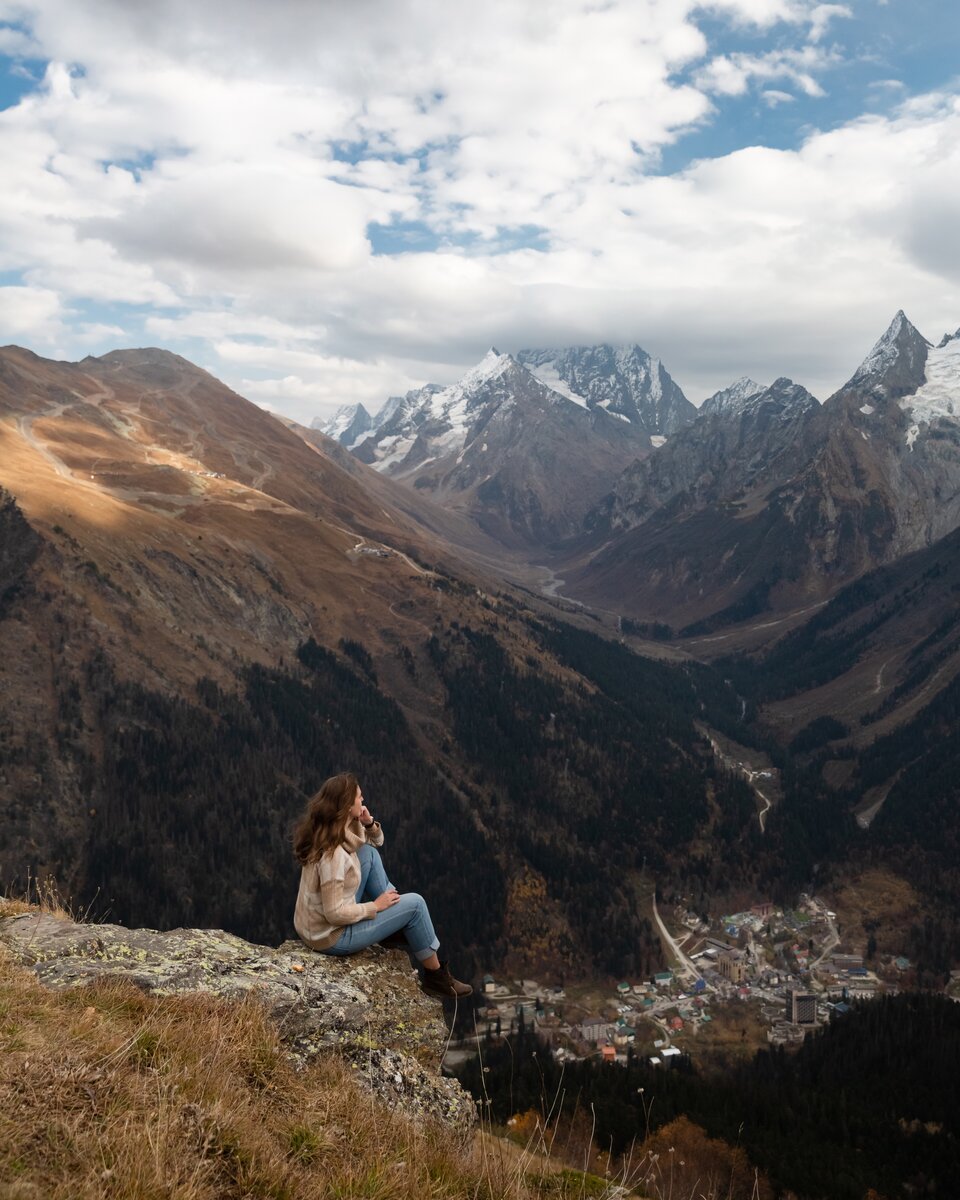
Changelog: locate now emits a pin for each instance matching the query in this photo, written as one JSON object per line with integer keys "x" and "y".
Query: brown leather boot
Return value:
{"x": 442, "y": 985}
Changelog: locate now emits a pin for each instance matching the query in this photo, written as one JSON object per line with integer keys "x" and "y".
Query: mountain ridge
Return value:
{"x": 737, "y": 516}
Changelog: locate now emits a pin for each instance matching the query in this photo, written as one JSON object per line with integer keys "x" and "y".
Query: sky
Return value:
{"x": 330, "y": 202}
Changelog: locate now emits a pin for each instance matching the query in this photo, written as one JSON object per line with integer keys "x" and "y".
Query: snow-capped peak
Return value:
{"x": 895, "y": 365}
{"x": 731, "y": 400}
{"x": 490, "y": 366}
{"x": 348, "y": 423}
{"x": 622, "y": 380}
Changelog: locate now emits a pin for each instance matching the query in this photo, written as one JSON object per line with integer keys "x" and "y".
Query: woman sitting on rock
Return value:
{"x": 346, "y": 902}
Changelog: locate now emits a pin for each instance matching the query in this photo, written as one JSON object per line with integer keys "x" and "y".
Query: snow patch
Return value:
{"x": 548, "y": 374}
{"x": 867, "y": 409}
{"x": 397, "y": 448}
{"x": 940, "y": 395}
{"x": 657, "y": 441}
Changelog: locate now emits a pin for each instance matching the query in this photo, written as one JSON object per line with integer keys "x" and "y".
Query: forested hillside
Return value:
{"x": 827, "y": 1120}
{"x": 555, "y": 769}
{"x": 565, "y": 789}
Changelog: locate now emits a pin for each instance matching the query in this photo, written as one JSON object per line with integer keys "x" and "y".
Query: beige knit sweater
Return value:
{"x": 326, "y": 900}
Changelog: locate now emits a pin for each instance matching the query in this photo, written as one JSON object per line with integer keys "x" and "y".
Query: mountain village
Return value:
{"x": 770, "y": 974}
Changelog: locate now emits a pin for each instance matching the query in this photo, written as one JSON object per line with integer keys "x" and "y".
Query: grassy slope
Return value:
{"x": 106, "y": 1091}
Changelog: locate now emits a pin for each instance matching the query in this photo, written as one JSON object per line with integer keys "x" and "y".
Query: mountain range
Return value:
{"x": 205, "y": 608}
{"x": 763, "y": 501}
{"x": 769, "y": 502}
{"x": 206, "y": 611}
{"x": 495, "y": 444}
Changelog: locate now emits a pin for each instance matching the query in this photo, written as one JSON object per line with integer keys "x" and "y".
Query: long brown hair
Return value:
{"x": 322, "y": 826}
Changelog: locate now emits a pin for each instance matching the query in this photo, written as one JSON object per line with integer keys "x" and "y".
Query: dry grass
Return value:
{"x": 108, "y": 1092}
{"x": 41, "y": 894}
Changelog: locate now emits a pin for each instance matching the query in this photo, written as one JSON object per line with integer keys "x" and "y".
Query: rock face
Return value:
{"x": 523, "y": 460}
{"x": 737, "y": 441}
{"x": 771, "y": 501}
{"x": 895, "y": 366}
{"x": 624, "y": 380}
{"x": 731, "y": 399}
{"x": 366, "y": 1007}
{"x": 347, "y": 425}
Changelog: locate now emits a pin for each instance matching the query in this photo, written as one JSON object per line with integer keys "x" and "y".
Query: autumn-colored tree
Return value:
{"x": 681, "y": 1160}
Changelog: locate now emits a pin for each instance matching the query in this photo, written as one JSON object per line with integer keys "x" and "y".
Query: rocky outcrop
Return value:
{"x": 366, "y": 1008}
{"x": 347, "y": 425}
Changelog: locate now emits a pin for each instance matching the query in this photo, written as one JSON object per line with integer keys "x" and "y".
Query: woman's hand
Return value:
{"x": 365, "y": 818}
{"x": 386, "y": 900}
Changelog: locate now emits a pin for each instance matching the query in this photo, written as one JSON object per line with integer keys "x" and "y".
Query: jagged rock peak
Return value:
{"x": 347, "y": 424}
{"x": 490, "y": 366}
{"x": 783, "y": 400}
{"x": 895, "y": 365}
{"x": 624, "y": 380}
{"x": 730, "y": 400}
{"x": 366, "y": 1008}
{"x": 947, "y": 338}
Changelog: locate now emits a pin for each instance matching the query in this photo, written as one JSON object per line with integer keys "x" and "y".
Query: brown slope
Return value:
{"x": 157, "y": 529}
{"x": 190, "y": 497}
{"x": 161, "y": 534}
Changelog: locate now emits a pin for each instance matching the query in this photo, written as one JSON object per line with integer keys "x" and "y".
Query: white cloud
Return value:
{"x": 218, "y": 172}
{"x": 234, "y": 219}
{"x": 332, "y": 381}
{"x": 731, "y": 74}
{"x": 760, "y": 12}
{"x": 772, "y": 98}
{"x": 15, "y": 42}
{"x": 823, "y": 15}
{"x": 30, "y": 310}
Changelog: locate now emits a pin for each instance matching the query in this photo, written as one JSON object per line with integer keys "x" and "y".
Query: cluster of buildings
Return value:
{"x": 788, "y": 963}
{"x": 635, "y": 1016}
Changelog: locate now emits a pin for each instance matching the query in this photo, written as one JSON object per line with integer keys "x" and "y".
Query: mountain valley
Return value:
{"x": 205, "y": 609}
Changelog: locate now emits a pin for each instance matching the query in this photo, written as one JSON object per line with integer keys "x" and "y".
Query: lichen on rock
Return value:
{"x": 367, "y": 1008}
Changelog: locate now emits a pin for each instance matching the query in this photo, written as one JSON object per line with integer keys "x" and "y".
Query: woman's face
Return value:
{"x": 357, "y": 805}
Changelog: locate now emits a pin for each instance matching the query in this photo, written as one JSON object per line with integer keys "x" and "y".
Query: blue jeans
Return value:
{"x": 410, "y": 914}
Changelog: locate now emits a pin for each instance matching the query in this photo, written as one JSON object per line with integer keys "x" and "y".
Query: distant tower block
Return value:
{"x": 801, "y": 1008}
